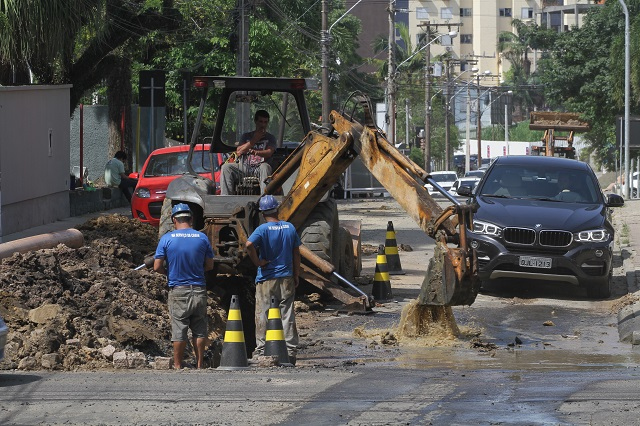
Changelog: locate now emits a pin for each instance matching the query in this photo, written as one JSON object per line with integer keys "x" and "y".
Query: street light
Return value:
{"x": 427, "y": 100}
{"x": 325, "y": 38}
{"x": 627, "y": 90}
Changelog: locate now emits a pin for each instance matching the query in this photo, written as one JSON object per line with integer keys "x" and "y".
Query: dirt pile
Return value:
{"x": 71, "y": 309}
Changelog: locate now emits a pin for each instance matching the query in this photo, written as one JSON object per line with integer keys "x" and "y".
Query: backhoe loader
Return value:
{"x": 304, "y": 181}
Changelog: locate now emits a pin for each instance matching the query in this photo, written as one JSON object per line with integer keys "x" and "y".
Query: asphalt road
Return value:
{"x": 527, "y": 354}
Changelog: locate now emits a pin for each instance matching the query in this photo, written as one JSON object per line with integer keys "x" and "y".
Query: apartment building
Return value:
{"x": 479, "y": 23}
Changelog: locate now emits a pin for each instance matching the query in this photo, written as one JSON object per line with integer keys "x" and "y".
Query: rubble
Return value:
{"x": 77, "y": 309}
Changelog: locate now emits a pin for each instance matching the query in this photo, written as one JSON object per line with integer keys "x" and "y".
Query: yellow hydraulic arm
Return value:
{"x": 451, "y": 277}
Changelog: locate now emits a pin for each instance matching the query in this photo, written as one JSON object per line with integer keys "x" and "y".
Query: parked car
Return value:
{"x": 163, "y": 166}
{"x": 475, "y": 173}
{"x": 530, "y": 224}
{"x": 3, "y": 337}
{"x": 469, "y": 182}
{"x": 445, "y": 179}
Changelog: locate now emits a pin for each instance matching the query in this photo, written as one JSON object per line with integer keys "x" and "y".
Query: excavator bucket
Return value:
{"x": 451, "y": 280}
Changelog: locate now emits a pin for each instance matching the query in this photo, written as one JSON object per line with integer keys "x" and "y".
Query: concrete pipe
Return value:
{"x": 71, "y": 238}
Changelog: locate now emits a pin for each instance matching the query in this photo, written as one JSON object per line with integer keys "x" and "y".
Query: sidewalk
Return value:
{"x": 627, "y": 223}
{"x": 61, "y": 225}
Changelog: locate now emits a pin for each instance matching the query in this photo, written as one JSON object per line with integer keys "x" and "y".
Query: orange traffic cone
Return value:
{"x": 274, "y": 339}
{"x": 381, "y": 284}
{"x": 391, "y": 251}
{"x": 234, "y": 350}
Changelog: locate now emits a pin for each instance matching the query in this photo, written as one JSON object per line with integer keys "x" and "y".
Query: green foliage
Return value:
{"x": 519, "y": 132}
{"x": 584, "y": 73}
{"x": 416, "y": 156}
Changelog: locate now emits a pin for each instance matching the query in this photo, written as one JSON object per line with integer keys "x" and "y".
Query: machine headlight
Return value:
{"x": 595, "y": 235}
{"x": 143, "y": 193}
{"x": 486, "y": 228}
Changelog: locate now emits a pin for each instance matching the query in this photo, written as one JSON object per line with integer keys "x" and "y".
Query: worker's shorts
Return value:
{"x": 188, "y": 309}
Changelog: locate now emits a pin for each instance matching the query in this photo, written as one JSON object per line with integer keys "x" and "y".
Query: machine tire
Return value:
{"x": 319, "y": 231}
{"x": 166, "y": 224}
{"x": 347, "y": 262}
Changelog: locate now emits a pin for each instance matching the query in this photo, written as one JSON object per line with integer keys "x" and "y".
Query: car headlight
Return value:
{"x": 143, "y": 193}
{"x": 595, "y": 235}
{"x": 486, "y": 228}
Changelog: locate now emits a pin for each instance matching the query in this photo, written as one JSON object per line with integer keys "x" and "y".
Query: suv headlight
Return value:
{"x": 595, "y": 235}
{"x": 143, "y": 193}
{"x": 486, "y": 228}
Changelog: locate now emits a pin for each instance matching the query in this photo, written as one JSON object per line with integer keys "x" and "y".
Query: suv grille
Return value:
{"x": 519, "y": 235}
{"x": 555, "y": 238}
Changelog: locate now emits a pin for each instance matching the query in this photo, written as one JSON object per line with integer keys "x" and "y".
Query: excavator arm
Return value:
{"x": 451, "y": 278}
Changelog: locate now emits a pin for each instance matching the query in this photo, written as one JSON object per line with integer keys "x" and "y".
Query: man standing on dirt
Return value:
{"x": 278, "y": 263}
{"x": 114, "y": 175}
{"x": 188, "y": 254}
{"x": 252, "y": 156}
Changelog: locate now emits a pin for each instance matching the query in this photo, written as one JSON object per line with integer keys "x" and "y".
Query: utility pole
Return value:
{"x": 447, "y": 135}
{"x": 406, "y": 123}
{"x": 427, "y": 90}
{"x": 391, "y": 95}
{"x": 242, "y": 65}
{"x": 326, "y": 107}
{"x": 479, "y": 124}
{"x": 467, "y": 157}
{"x": 427, "y": 104}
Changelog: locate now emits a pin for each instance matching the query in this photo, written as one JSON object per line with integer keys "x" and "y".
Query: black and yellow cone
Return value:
{"x": 381, "y": 284}
{"x": 274, "y": 340}
{"x": 391, "y": 251}
{"x": 234, "y": 350}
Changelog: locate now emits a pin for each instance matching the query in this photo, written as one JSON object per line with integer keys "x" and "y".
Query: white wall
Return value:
{"x": 491, "y": 149}
{"x": 34, "y": 156}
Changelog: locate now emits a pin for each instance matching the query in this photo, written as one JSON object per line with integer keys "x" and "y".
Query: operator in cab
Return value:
{"x": 252, "y": 157}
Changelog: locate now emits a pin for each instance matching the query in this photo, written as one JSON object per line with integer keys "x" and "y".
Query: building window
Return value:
{"x": 506, "y": 12}
{"x": 446, "y": 13}
{"x": 466, "y": 39}
{"x": 465, "y": 11}
{"x": 421, "y": 13}
{"x": 527, "y": 13}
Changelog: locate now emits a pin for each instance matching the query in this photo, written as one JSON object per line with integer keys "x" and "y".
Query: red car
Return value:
{"x": 163, "y": 166}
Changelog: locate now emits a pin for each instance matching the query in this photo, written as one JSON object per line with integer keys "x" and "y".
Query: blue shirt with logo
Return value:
{"x": 185, "y": 251}
{"x": 275, "y": 242}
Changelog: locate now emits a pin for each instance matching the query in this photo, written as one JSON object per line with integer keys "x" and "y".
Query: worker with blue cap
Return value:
{"x": 187, "y": 254}
{"x": 274, "y": 247}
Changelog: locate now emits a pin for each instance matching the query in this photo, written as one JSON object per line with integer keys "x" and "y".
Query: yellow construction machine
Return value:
{"x": 304, "y": 180}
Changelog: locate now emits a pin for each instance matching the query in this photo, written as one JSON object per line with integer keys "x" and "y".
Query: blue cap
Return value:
{"x": 268, "y": 202}
{"x": 180, "y": 210}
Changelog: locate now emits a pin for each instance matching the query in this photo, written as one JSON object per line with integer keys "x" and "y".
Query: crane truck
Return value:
{"x": 303, "y": 183}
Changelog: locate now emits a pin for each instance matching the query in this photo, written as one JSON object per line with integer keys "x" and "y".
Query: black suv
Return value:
{"x": 543, "y": 218}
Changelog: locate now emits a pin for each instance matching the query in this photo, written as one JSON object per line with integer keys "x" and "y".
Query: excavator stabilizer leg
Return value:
{"x": 451, "y": 280}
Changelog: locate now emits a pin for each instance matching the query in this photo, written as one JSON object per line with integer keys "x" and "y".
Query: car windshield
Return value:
{"x": 444, "y": 177}
{"x": 175, "y": 163}
{"x": 548, "y": 183}
{"x": 478, "y": 173}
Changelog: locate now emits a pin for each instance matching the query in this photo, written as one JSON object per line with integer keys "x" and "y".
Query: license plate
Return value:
{"x": 535, "y": 262}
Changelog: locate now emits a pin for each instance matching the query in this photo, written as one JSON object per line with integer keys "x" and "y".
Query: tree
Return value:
{"x": 584, "y": 73}
{"x": 515, "y": 48}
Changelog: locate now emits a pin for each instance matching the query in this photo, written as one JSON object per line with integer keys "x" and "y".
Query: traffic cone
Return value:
{"x": 381, "y": 284}
{"x": 274, "y": 340}
{"x": 234, "y": 350}
{"x": 391, "y": 251}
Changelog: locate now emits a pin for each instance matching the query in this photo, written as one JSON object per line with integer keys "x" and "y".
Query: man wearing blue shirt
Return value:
{"x": 188, "y": 254}
{"x": 274, "y": 247}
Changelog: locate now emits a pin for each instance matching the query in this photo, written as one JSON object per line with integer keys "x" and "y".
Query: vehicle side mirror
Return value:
{"x": 614, "y": 200}
{"x": 134, "y": 175}
{"x": 465, "y": 191}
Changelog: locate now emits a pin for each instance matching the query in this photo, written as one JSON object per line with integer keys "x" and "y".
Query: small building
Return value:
{"x": 34, "y": 156}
